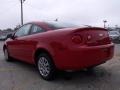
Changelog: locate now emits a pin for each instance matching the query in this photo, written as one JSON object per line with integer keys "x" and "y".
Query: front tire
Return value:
{"x": 46, "y": 67}
{"x": 6, "y": 55}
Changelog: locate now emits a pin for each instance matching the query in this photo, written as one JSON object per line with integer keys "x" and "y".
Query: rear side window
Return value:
{"x": 36, "y": 29}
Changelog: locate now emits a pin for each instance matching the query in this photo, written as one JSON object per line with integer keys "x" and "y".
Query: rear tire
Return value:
{"x": 6, "y": 55}
{"x": 46, "y": 67}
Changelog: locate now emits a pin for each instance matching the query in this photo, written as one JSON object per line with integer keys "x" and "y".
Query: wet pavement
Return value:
{"x": 21, "y": 76}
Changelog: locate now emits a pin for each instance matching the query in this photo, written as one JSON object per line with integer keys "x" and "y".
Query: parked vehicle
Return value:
{"x": 2, "y": 37}
{"x": 114, "y": 35}
{"x": 55, "y": 46}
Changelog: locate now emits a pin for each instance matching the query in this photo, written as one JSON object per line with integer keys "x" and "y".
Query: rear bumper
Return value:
{"x": 76, "y": 58}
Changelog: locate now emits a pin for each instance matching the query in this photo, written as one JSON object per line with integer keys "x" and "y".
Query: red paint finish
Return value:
{"x": 70, "y": 48}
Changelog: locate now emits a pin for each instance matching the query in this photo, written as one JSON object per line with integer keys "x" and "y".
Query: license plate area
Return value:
{"x": 106, "y": 51}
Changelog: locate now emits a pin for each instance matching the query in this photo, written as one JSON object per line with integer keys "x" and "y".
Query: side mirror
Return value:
{"x": 10, "y": 36}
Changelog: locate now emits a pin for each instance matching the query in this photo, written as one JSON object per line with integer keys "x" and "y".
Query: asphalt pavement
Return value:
{"x": 21, "y": 76}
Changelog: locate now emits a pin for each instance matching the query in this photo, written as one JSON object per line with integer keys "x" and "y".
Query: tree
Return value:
{"x": 17, "y": 27}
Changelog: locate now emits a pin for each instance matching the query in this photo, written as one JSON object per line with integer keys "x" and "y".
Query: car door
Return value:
{"x": 28, "y": 46}
{"x": 19, "y": 45}
{"x": 34, "y": 30}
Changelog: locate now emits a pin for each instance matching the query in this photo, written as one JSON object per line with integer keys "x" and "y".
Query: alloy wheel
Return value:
{"x": 43, "y": 66}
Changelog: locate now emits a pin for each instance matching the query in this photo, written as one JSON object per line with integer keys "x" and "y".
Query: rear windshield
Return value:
{"x": 59, "y": 25}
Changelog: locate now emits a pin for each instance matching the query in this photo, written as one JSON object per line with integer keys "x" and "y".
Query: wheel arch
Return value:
{"x": 42, "y": 50}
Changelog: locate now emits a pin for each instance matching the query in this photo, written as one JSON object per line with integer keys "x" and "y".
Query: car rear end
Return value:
{"x": 85, "y": 47}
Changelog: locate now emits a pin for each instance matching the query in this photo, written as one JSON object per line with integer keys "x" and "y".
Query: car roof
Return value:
{"x": 44, "y": 23}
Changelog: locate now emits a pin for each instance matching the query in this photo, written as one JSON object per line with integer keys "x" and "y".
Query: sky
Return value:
{"x": 80, "y": 12}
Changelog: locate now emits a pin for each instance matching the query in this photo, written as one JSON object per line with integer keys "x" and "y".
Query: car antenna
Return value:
{"x": 56, "y": 20}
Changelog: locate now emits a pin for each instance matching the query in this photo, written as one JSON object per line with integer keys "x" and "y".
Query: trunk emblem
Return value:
{"x": 101, "y": 35}
{"x": 89, "y": 37}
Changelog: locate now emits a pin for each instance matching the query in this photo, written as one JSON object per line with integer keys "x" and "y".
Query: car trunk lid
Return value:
{"x": 94, "y": 36}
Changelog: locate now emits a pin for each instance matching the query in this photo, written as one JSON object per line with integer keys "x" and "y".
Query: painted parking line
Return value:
{"x": 7, "y": 69}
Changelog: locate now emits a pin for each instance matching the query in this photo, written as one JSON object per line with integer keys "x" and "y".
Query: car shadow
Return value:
{"x": 82, "y": 76}
{"x": 23, "y": 65}
{"x": 94, "y": 74}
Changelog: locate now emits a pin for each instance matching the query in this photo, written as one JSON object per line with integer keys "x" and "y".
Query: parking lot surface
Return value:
{"x": 20, "y": 76}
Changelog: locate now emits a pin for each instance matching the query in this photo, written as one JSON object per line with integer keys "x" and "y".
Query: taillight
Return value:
{"x": 109, "y": 39}
{"x": 77, "y": 39}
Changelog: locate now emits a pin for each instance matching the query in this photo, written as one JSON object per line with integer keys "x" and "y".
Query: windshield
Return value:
{"x": 60, "y": 25}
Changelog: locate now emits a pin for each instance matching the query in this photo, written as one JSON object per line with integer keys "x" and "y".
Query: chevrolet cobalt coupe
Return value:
{"x": 55, "y": 46}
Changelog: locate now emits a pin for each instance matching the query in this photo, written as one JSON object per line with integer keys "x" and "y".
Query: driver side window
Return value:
{"x": 23, "y": 31}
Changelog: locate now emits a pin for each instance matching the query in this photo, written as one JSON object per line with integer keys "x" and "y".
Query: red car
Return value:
{"x": 55, "y": 46}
